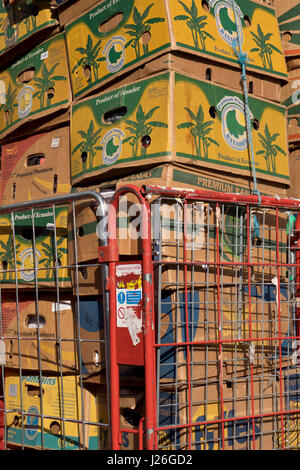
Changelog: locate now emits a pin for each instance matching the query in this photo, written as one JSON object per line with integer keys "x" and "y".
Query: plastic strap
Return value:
{"x": 243, "y": 60}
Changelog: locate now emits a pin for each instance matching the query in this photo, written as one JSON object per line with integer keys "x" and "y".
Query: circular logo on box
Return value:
{"x": 32, "y": 423}
{"x": 114, "y": 52}
{"x": 234, "y": 122}
{"x": 24, "y": 99}
{"x": 27, "y": 264}
{"x": 228, "y": 23}
{"x": 112, "y": 144}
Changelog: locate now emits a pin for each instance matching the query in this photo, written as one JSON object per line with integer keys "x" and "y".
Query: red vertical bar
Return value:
{"x": 250, "y": 320}
{"x": 219, "y": 322}
{"x": 297, "y": 237}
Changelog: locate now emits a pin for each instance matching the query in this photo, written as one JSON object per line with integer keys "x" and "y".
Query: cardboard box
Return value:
{"x": 111, "y": 32}
{"x": 39, "y": 333}
{"x": 239, "y": 430}
{"x": 36, "y": 167}
{"x": 23, "y": 25}
{"x": 35, "y": 86}
{"x": 69, "y": 9}
{"x": 294, "y": 190}
{"x": 286, "y": 10}
{"x": 21, "y": 242}
{"x": 154, "y": 121}
{"x": 63, "y": 400}
{"x": 222, "y": 323}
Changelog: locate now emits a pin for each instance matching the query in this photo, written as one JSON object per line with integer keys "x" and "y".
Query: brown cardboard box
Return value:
{"x": 36, "y": 167}
{"x": 68, "y": 10}
{"x": 125, "y": 34}
{"x": 248, "y": 409}
{"x": 294, "y": 156}
{"x": 51, "y": 321}
{"x": 284, "y": 9}
{"x": 154, "y": 121}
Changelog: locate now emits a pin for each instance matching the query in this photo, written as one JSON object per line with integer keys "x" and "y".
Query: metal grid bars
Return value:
{"x": 227, "y": 327}
{"x": 54, "y": 370}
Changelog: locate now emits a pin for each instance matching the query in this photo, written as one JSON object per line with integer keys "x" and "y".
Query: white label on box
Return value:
{"x": 12, "y": 390}
{"x": 61, "y": 306}
{"x": 44, "y": 55}
{"x": 55, "y": 142}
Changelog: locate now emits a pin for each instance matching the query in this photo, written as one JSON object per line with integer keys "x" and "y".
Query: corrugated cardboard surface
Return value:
{"x": 126, "y": 34}
{"x": 171, "y": 117}
{"x": 51, "y": 321}
{"x": 35, "y": 86}
{"x": 36, "y": 167}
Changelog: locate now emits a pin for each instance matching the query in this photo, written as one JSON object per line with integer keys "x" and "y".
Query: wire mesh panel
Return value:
{"x": 54, "y": 367}
{"x": 227, "y": 325}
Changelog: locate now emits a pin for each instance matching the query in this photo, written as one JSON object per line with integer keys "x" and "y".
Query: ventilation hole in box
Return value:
{"x": 87, "y": 72}
{"x": 16, "y": 420}
{"x": 96, "y": 358}
{"x": 13, "y": 196}
{"x": 287, "y": 36}
{"x": 35, "y": 321}
{"x": 208, "y": 74}
{"x": 35, "y": 10}
{"x": 247, "y": 20}
{"x": 146, "y": 37}
{"x": 33, "y": 390}
{"x": 35, "y": 160}
{"x": 55, "y": 427}
{"x": 145, "y": 141}
{"x": 50, "y": 93}
{"x": 11, "y": 348}
{"x": 55, "y": 179}
{"x": 250, "y": 87}
{"x": 84, "y": 157}
{"x": 205, "y": 5}
{"x": 83, "y": 272}
{"x": 4, "y": 265}
{"x": 213, "y": 112}
{"x": 256, "y": 124}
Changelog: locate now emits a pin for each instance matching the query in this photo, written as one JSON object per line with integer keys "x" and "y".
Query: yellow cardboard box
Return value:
{"x": 117, "y": 36}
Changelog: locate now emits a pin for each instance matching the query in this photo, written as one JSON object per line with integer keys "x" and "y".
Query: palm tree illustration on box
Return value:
{"x": 50, "y": 258}
{"x": 196, "y": 24}
{"x": 199, "y": 130}
{"x": 90, "y": 58}
{"x": 7, "y": 257}
{"x": 264, "y": 48}
{"x": 270, "y": 149}
{"x": 9, "y": 106}
{"x": 138, "y": 30}
{"x": 141, "y": 128}
{"x": 88, "y": 145}
{"x": 46, "y": 84}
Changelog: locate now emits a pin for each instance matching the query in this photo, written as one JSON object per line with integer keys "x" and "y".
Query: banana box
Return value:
{"x": 37, "y": 242}
{"x": 36, "y": 167}
{"x": 171, "y": 117}
{"x": 24, "y": 24}
{"x": 35, "y": 86}
{"x": 117, "y": 36}
{"x": 75, "y": 414}
{"x": 39, "y": 332}
{"x": 236, "y": 415}
{"x": 286, "y": 10}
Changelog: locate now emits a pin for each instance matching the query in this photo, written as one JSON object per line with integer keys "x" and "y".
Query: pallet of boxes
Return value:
{"x": 158, "y": 99}
{"x": 148, "y": 92}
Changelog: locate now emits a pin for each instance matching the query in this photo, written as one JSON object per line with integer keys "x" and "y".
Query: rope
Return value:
{"x": 243, "y": 60}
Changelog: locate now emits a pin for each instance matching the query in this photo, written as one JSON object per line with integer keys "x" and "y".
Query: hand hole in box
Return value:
{"x": 287, "y": 36}
{"x": 35, "y": 160}
{"x": 114, "y": 115}
{"x": 35, "y": 321}
{"x": 55, "y": 427}
{"x": 87, "y": 71}
{"x": 26, "y": 75}
{"x": 112, "y": 23}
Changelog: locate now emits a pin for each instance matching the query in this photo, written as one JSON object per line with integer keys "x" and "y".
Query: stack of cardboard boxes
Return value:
{"x": 94, "y": 94}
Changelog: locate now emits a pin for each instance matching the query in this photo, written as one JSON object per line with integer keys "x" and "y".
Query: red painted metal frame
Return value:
{"x": 148, "y": 311}
{"x": 149, "y": 422}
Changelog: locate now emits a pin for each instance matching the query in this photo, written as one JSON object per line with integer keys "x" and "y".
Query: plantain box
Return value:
{"x": 33, "y": 329}
{"x": 73, "y": 414}
{"x": 37, "y": 241}
{"x": 36, "y": 167}
{"x": 34, "y": 87}
{"x": 23, "y": 25}
{"x": 171, "y": 117}
{"x": 117, "y": 36}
